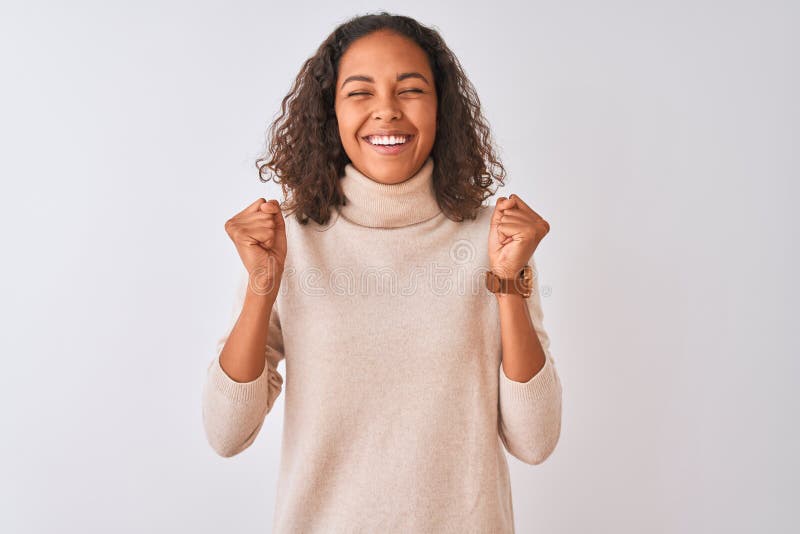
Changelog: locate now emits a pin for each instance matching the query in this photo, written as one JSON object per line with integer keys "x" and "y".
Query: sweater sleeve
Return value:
{"x": 233, "y": 412}
{"x": 529, "y": 416}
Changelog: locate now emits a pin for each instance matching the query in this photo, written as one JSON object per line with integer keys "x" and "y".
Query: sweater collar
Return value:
{"x": 377, "y": 205}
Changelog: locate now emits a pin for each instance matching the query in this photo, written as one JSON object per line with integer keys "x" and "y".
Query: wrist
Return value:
{"x": 502, "y": 283}
{"x": 504, "y": 272}
{"x": 508, "y": 297}
{"x": 263, "y": 287}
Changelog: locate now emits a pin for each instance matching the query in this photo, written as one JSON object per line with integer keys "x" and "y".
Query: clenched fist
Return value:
{"x": 515, "y": 232}
{"x": 259, "y": 233}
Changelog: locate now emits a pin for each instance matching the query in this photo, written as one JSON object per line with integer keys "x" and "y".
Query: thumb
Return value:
{"x": 502, "y": 204}
{"x": 255, "y": 206}
{"x": 279, "y": 221}
{"x": 273, "y": 206}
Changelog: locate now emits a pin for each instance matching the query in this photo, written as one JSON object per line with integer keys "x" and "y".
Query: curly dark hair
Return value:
{"x": 308, "y": 158}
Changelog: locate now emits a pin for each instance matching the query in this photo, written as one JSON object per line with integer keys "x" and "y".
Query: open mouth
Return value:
{"x": 388, "y": 144}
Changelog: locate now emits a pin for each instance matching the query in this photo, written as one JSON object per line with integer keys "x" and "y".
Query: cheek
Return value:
{"x": 346, "y": 131}
{"x": 426, "y": 119}
{"x": 343, "y": 117}
{"x": 429, "y": 126}
{"x": 348, "y": 124}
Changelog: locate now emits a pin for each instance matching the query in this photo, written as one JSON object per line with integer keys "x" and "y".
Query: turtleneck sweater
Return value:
{"x": 397, "y": 414}
{"x": 377, "y": 205}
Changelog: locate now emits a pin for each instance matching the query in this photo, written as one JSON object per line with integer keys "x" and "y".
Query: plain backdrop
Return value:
{"x": 659, "y": 139}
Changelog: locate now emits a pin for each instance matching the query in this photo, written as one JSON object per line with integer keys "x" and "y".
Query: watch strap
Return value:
{"x": 521, "y": 285}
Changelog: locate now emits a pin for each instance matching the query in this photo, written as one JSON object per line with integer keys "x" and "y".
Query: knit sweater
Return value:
{"x": 397, "y": 411}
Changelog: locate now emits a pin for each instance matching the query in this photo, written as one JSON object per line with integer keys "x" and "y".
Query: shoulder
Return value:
{"x": 293, "y": 224}
{"x": 482, "y": 220}
{"x": 486, "y": 210}
{"x": 310, "y": 231}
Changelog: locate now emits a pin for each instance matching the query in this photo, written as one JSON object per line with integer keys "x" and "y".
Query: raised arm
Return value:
{"x": 529, "y": 388}
{"x": 242, "y": 381}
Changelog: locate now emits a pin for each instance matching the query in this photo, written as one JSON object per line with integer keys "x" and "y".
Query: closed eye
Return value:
{"x": 401, "y": 92}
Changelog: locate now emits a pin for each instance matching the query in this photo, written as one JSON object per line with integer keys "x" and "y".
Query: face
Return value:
{"x": 385, "y": 87}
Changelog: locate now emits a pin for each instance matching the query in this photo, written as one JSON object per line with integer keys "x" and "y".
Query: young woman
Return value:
{"x": 414, "y": 348}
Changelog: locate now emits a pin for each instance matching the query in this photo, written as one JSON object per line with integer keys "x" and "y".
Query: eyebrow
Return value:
{"x": 400, "y": 77}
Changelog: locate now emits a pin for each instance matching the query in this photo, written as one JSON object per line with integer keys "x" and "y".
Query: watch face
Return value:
{"x": 522, "y": 284}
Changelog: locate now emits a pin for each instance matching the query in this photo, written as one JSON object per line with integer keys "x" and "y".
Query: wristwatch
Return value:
{"x": 521, "y": 285}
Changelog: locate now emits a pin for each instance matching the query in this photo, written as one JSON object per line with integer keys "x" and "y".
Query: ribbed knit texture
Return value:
{"x": 377, "y": 205}
{"x": 397, "y": 412}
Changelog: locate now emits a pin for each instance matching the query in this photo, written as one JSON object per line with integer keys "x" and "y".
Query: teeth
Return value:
{"x": 387, "y": 139}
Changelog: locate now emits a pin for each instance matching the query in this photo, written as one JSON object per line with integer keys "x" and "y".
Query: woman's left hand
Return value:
{"x": 515, "y": 232}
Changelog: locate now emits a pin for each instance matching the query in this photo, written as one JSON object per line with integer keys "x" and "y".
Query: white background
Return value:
{"x": 659, "y": 139}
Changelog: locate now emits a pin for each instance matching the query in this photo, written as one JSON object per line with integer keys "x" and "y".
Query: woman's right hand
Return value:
{"x": 259, "y": 234}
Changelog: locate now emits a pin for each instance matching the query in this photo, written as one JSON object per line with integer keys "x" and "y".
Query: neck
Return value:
{"x": 377, "y": 205}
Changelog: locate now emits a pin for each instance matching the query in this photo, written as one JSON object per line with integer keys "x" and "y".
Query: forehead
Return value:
{"x": 383, "y": 52}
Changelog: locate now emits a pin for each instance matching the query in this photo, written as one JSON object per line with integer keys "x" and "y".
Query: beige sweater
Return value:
{"x": 396, "y": 408}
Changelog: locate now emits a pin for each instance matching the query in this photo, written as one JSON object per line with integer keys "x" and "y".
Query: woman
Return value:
{"x": 407, "y": 372}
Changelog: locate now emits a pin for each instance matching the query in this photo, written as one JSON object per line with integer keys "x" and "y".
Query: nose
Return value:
{"x": 386, "y": 107}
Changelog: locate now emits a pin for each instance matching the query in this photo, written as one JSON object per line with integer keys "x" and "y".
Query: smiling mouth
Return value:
{"x": 388, "y": 140}
{"x": 388, "y": 145}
